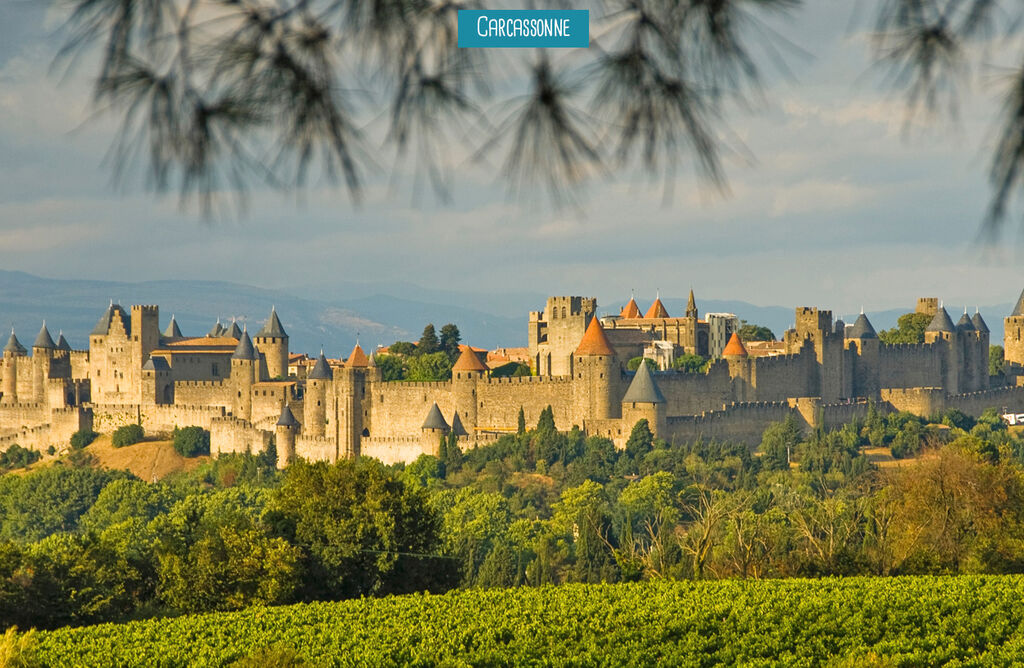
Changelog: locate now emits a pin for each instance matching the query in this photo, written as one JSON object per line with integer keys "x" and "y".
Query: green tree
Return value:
{"x": 449, "y": 342}
{"x": 634, "y": 363}
{"x": 361, "y": 529}
{"x": 521, "y": 422}
{"x": 641, "y": 440}
{"x": 749, "y": 332}
{"x": 191, "y": 441}
{"x": 82, "y": 438}
{"x": 17, "y": 457}
{"x": 996, "y": 361}
{"x": 129, "y": 434}
{"x": 403, "y": 348}
{"x": 546, "y": 421}
{"x": 909, "y": 329}
{"x": 691, "y": 363}
{"x": 429, "y": 343}
{"x": 778, "y": 444}
{"x": 427, "y": 368}
{"x": 392, "y": 367}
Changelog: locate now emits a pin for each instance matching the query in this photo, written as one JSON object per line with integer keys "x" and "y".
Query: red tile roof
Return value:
{"x": 594, "y": 341}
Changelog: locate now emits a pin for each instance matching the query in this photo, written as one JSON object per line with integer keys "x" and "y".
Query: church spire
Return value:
{"x": 691, "y": 306}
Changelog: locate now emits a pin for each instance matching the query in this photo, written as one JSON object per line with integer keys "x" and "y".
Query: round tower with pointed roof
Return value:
{"x": 644, "y": 401}
{"x": 595, "y": 375}
{"x": 352, "y": 414}
{"x": 434, "y": 429}
{"x": 862, "y": 338}
{"x": 983, "y": 335}
{"x": 43, "y": 349}
{"x": 740, "y": 368}
{"x": 272, "y": 341}
{"x": 284, "y": 437}
{"x": 13, "y": 352}
{"x": 943, "y": 333}
{"x": 468, "y": 373}
{"x": 244, "y": 374}
{"x": 314, "y": 405}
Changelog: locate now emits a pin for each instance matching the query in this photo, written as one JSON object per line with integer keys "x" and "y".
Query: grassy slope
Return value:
{"x": 965, "y": 620}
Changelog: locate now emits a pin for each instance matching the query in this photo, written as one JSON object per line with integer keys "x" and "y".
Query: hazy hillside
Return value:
{"x": 378, "y": 313}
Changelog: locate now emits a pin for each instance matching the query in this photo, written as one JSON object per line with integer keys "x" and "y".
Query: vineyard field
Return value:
{"x": 905, "y": 621}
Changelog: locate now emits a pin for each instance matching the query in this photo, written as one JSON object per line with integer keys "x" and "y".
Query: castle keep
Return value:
{"x": 238, "y": 385}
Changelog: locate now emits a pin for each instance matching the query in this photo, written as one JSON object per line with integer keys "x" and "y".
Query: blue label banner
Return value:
{"x": 524, "y": 28}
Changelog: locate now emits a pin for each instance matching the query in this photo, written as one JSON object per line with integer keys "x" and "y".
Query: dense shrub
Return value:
{"x": 17, "y": 457}
{"x": 82, "y": 438}
{"x": 127, "y": 435}
{"x": 191, "y": 441}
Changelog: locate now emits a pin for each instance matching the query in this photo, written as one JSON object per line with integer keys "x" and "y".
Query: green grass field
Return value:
{"x": 913, "y": 621}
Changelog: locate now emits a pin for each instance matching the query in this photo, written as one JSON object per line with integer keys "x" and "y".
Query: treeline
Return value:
{"x": 80, "y": 545}
{"x": 432, "y": 357}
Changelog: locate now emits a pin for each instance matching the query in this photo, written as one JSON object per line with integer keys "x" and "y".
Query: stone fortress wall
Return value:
{"x": 234, "y": 384}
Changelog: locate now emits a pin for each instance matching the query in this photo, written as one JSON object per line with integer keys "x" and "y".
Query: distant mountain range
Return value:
{"x": 334, "y": 316}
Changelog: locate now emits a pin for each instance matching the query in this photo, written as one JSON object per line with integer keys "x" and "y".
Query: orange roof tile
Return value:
{"x": 595, "y": 341}
{"x": 358, "y": 359}
{"x": 630, "y": 310}
{"x": 657, "y": 310}
{"x": 735, "y": 347}
{"x": 468, "y": 361}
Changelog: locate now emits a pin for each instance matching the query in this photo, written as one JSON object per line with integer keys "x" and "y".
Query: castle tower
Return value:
{"x": 941, "y": 332}
{"x": 351, "y": 393}
{"x": 982, "y": 332}
{"x": 971, "y": 370}
{"x": 110, "y": 356}
{"x": 233, "y": 331}
{"x": 467, "y": 372}
{"x": 554, "y": 333}
{"x": 864, "y": 340}
{"x": 273, "y": 343}
{"x": 173, "y": 331}
{"x": 1013, "y": 334}
{"x": 596, "y": 377}
{"x": 284, "y": 434}
{"x": 145, "y": 338}
{"x": 42, "y": 357}
{"x": 657, "y": 310}
{"x": 314, "y": 405}
{"x": 740, "y": 369}
{"x": 217, "y": 330}
{"x": 13, "y": 351}
{"x": 927, "y": 305}
{"x": 157, "y": 384}
{"x": 244, "y": 372}
{"x": 434, "y": 429}
{"x": 643, "y": 400}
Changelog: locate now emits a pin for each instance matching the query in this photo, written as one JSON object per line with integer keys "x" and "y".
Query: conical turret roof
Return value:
{"x": 103, "y": 326}
{"x": 244, "y": 349}
{"x": 233, "y": 331}
{"x": 62, "y": 343}
{"x": 964, "y": 324}
{"x": 216, "y": 330}
{"x": 434, "y": 419}
{"x": 43, "y": 339}
{"x": 594, "y": 341}
{"x": 1019, "y": 308}
{"x": 862, "y": 329}
{"x": 358, "y": 359}
{"x": 643, "y": 389}
{"x": 657, "y": 310}
{"x": 979, "y": 323}
{"x": 287, "y": 419}
{"x": 457, "y": 425}
{"x": 941, "y": 322}
{"x": 839, "y": 327}
{"x": 321, "y": 370}
{"x": 468, "y": 361}
{"x": 630, "y": 310}
{"x": 272, "y": 328}
{"x": 173, "y": 331}
{"x": 14, "y": 345}
{"x": 735, "y": 347}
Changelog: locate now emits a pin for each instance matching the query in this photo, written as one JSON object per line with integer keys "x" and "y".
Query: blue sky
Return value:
{"x": 837, "y": 209}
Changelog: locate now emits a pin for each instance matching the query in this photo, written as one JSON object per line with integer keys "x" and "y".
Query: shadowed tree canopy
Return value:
{"x": 219, "y": 96}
